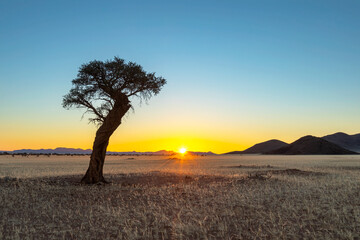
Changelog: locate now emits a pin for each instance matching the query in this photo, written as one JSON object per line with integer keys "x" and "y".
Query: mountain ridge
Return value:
{"x": 350, "y": 142}
{"x": 340, "y": 139}
{"x": 309, "y": 145}
{"x": 262, "y": 147}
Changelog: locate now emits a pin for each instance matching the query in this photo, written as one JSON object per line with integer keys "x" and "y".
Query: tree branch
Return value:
{"x": 92, "y": 108}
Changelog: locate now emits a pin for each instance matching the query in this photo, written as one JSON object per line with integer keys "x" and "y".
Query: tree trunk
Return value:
{"x": 94, "y": 174}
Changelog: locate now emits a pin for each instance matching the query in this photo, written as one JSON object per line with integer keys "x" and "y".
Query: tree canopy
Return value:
{"x": 100, "y": 85}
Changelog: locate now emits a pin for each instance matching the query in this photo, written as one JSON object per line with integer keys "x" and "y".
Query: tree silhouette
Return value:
{"x": 105, "y": 89}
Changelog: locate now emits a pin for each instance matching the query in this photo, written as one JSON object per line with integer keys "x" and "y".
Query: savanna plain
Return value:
{"x": 181, "y": 197}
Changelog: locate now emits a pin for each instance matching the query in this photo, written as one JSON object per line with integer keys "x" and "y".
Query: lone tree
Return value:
{"x": 105, "y": 89}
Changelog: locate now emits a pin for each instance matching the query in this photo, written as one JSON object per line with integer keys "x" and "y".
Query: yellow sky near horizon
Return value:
{"x": 141, "y": 133}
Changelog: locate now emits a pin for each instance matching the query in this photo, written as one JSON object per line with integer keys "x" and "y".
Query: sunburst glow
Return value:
{"x": 182, "y": 150}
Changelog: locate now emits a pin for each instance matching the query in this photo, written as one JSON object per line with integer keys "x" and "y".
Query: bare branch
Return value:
{"x": 93, "y": 109}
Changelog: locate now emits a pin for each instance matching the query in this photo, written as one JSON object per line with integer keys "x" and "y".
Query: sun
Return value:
{"x": 182, "y": 150}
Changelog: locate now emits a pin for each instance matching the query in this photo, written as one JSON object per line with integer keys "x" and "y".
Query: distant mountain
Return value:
{"x": 161, "y": 152}
{"x": 62, "y": 150}
{"x": 311, "y": 145}
{"x": 262, "y": 147}
{"x": 349, "y": 142}
{"x": 202, "y": 153}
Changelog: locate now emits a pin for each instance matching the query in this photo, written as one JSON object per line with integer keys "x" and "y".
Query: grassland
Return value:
{"x": 220, "y": 197}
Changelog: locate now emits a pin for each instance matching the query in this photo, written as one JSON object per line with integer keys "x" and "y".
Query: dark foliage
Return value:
{"x": 99, "y": 85}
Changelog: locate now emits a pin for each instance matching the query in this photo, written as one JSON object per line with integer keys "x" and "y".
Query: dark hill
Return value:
{"x": 349, "y": 142}
{"x": 311, "y": 145}
{"x": 262, "y": 147}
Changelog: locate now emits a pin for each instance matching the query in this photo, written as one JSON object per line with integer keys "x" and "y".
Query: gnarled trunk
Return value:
{"x": 94, "y": 174}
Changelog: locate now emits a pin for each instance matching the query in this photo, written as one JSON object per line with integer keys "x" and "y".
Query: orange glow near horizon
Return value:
{"x": 129, "y": 137}
{"x": 173, "y": 143}
{"x": 182, "y": 150}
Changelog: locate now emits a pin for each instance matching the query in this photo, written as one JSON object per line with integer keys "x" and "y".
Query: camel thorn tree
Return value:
{"x": 105, "y": 89}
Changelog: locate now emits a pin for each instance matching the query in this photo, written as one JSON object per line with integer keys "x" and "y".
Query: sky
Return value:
{"x": 238, "y": 72}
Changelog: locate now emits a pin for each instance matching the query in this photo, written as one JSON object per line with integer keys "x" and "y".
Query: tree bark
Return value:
{"x": 94, "y": 174}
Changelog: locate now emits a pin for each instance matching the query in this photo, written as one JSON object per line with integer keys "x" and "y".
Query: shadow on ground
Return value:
{"x": 155, "y": 178}
{"x": 158, "y": 178}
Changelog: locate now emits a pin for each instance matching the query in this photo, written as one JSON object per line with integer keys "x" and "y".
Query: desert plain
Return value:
{"x": 182, "y": 197}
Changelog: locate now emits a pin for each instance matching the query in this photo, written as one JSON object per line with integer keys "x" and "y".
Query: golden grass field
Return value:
{"x": 158, "y": 197}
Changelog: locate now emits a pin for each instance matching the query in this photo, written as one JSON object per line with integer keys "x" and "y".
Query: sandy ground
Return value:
{"x": 217, "y": 197}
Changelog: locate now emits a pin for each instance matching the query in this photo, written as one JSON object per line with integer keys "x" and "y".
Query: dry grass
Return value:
{"x": 205, "y": 198}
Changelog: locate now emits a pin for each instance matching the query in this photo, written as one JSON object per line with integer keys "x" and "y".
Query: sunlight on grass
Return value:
{"x": 197, "y": 197}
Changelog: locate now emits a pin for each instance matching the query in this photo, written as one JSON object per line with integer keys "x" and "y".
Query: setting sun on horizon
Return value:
{"x": 182, "y": 150}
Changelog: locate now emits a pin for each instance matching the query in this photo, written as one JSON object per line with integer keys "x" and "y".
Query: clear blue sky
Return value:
{"x": 238, "y": 72}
